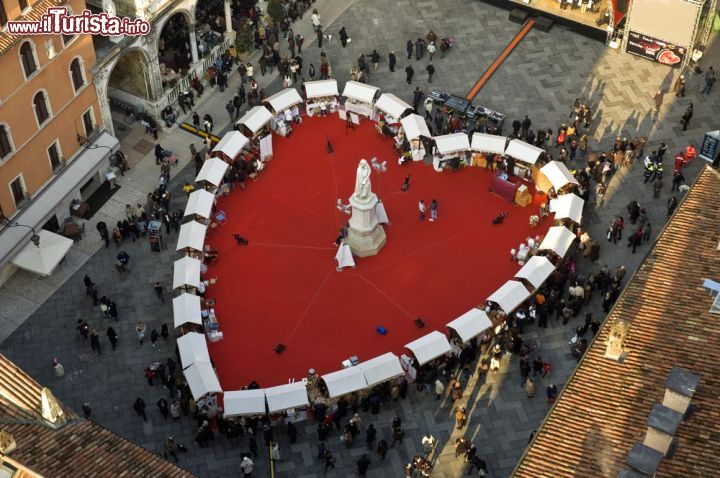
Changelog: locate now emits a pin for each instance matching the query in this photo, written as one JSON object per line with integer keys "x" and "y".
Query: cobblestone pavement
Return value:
{"x": 541, "y": 79}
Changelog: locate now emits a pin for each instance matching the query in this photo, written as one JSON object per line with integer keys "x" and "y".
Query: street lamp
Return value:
{"x": 379, "y": 168}
{"x": 10, "y": 223}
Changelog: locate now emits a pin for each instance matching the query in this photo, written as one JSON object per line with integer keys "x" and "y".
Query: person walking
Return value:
{"x": 230, "y": 108}
{"x": 247, "y": 466}
{"x": 320, "y": 35}
{"x": 140, "y": 329}
{"x": 154, "y": 336}
{"x": 679, "y": 86}
{"x": 398, "y": 434}
{"x": 112, "y": 337}
{"x": 409, "y": 48}
{"x": 430, "y": 70}
{"x": 382, "y": 448}
{"x": 409, "y": 73}
{"x": 95, "y": 341}
{"x": 685, "y": 120}
{"x": 343, "y": 37}
{"x": 421, "y": 210}
{"x": 163, "y": 407}
{"x": 392, "y": 60}
{"x": 159, "y": 292}
{"x": 171, "y": 447}
{"x": 433, "y": 210}
{"x": 671, "y": 205}
{"x": 375, "y": 59}
{"x": 362, "y": 465}
{"x": 677, "y": 179}
{"x": 86, "y": 410}
{"x": 139, "y": 407}
{"x": 196, "y": 120}
{"x": 709, "y": 80}
{"x": 431, "y": 49}
{"x": 329, "y": 461}
{"x": 83, "y": 328}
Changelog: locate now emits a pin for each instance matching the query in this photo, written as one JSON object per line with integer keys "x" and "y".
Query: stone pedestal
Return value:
{"x": 365, "y": 237}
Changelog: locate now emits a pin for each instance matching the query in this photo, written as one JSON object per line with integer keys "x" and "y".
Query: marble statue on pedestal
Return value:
{"x": 363, "y": 190}
{"x": 365, "y": 235}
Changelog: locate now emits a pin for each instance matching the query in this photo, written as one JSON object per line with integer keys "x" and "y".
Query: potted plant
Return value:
{"x": 244, "y": 39}
{"x": 275, "y": 11}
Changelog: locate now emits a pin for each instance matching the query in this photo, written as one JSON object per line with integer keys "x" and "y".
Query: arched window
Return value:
{"x": 5, "y": 146}
{"x": 28, "y": 58}
{"x": 41, "y": 109}
{"x": 77, "y": 74}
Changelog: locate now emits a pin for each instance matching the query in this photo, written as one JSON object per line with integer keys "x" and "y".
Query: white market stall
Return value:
{"x": 285, "y": 397}
{"x": 200, "y": 204}
{"x": 567, "y": 206}
{"x": 448, "y": 147}
{"x": 321, "y": 97}
{"x": 414, "y": 129}
{"x": 526, "y": 154}
{"x": 484, "y": 146}
{"x": 555, "y": 175}
{"x": 45, "y": 257}
{"x": 230, "y": 146}
{"x": 186, "y": 310}
{"x": 191, "y": 237}
{"x": 202, "y": 380}
{"x": 193, "y": 348}
{"x": 394, "y": 108}
{"x": 471, "y": 324}
{"x": 359, "y": 99}
{"x": 558, "y": 240}
{"x": 284, "y": 107}
{"x": 509, "y": 296}
{"x": 186, "y": 273}
{"x": 212, "y": 172}
{"x": 344, "y": 381}
{"x": 381, "y": 368}
{"x": 535, "y": 271}
{"x": 253, "y": 123}
{"x": 429, "y": 347}
{"x": 244, "y": 402}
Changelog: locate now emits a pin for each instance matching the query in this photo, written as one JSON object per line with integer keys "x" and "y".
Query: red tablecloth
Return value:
{"x": 502, "y": 188}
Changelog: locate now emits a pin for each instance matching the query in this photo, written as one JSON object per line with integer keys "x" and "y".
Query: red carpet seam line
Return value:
{"x": 293, "y": 246}
{"x": 307, "y": 309}
{"x": 399, "y": 307}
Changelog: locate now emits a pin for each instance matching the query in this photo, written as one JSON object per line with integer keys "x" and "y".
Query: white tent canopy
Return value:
{"x": 284, "y": 99}
{"x": 360, "y": 91}
{"x": 382, "y": 368}
{"x": 43, "y": 259}
{"x": 488, "y": 143}
{"x": 522, "y": 151}
{"x": 244, "y": 402}
{"x": 344, "y": 381}
{"x": 193, "y": 348}
{"x": 255, "y": 119}
{"x": 415, "y": 126}
{"x": 321, "y": 88}
{"x": 567, "y": 206}
{"x": 510, "y": 296}
{"x": 231, "y": 144}
{"x": 429, "y": 347}
{"x": 186, "y": 272}
{"x": 212, "y": 171}
{"x": 202, "y": 380}
{"x": 558, "y": 174}
{"x": 558, "y": 239}
{"x": 392, "y": 105}
{"x": 186, "y": 310}
{"x": 191, "y": 236}
{"x": 284, "y": 397}
{"x": 200, "y": 203}
{"x": 471, "y": 324}
{"x": 452, "y": 143}
{"x": 536, "y": 271}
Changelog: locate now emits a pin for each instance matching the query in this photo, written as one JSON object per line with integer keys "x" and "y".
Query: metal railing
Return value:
{"x": 206, "y": 62}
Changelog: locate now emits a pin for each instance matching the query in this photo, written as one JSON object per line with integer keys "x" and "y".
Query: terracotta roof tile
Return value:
{"x": 603, "y": 409}
{"x": 38, "y": 10}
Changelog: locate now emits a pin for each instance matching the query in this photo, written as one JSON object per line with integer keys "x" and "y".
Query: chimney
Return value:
{"x": 662, "y": 425}
{"x": 616, "y": 341}
{"x": 52, "y": 413}
{"x": 680, "y": 388}
{"x": 7, "y": 442}
{"x": 644, "y": 459}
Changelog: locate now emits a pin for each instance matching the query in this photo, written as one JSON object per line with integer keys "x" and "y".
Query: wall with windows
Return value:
{"x": 45, "y": 78}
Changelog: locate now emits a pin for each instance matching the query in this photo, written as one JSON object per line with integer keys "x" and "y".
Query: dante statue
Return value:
{"x": 362, "y": 181}
{"x": 108, "y": 7}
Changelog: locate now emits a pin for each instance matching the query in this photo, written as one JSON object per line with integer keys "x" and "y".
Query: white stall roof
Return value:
{"x": 186, "y": 310}
{"x": 200, "y": 203}
{"x": 522, "y": 151}
{"x": 536, "y": 271}
{"x": 567, "y": 206}
{"x": 191, "y": 236}
{"x": 212, "y": 171}
{"x": 382, "y": 368}
{"x": 452, "y": 143}
{"x": 193, "y": 348}
{"x": 44, "y": 258}
{"x": 321, "y": 88}
{"x": 231, "y": 144}
{"x": 284, "y": 99}
{"x": 202, "y": 380}
{"x": 244, "y": 402}
{"x": 510, "y": 295}
{"x": 415, "y": 126}
{"x": 488, "y": 143}
{"x": 392, "y": 105}
{"x": 283, "y": 397}
{"x": 558, "y": 174}
{"x": 255, "y": 119}
{"x": 360, "y": 91}
{"x": 471, "y": 324}
{"x": 186, "y": 272}
{"x": 429, "y": 347}
{"x": 344, "y": 381}
{"x": 558, "y": 239}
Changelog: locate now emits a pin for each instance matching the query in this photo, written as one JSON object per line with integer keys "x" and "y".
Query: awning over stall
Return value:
{"x": 231, "y": 144}
{"x": 193, "y": 348}
{"x": 212, "y": 171}
{"x": 45, "y": 257}
{"x": 558, "y": 239}
{"x": 202, "y": 380}
{"x": 244, "y": 402}
{"x": 320, "y": 89}
{"x": 360, "y": 91}
{"x": 452, "y": 143}
{"x": 488, "y": 143}
{"x": 382, "y": 368}
{"x": 191, "y": 236}
{"x": 200, "y": 203}
{"x": 392, "y": 105}
{"x": 510, "y": 295}
{"x": 429, "y": 347}
{"x": 284, "y": 397}
{"x": 344, "y": 381}
{"x": 536, "y": 270}
{"x": 186, "y": 272}
{"x": 255, "y": 119}
{"x": 284, "y": 99}
{"x": 522, "y": 151}
{"x": 186, "y": 310}
{"x": 558, "y": 175}
{"x": 471, "y": 324}
{"x": 567, "y": 206}
{"x": 415, "y": 127}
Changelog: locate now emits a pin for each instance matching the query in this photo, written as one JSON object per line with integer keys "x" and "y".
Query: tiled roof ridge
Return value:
{"x": 35, "y": 14}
